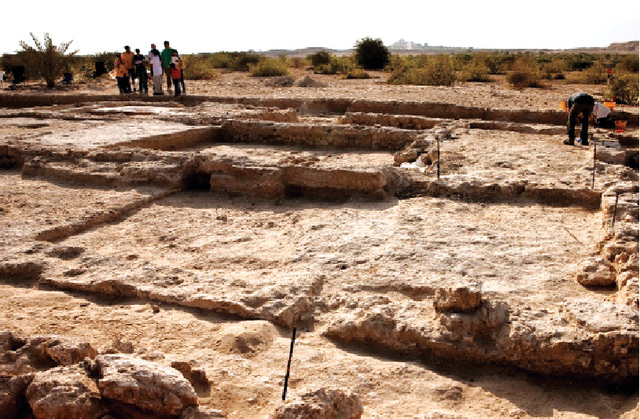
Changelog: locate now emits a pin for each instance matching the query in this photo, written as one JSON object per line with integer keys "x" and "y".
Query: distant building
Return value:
{"x": 407, "y": 45}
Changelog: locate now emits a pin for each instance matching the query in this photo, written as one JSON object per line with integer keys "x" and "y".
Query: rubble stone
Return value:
{"x": 596, "y": 271}
{"x": 64, "y": 392}
{"x": 133, "y": 382}
{"x": 324, "y": 403}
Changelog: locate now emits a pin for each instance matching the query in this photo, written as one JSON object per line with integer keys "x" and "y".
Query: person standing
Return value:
{"x": 156, "y": 71}
{"x": 122, "y": 75}
{"x": 127, "y": 58}
{"x": 175, "y": 59}
{"x": 141, "y": 71}
{"x": 579, "y": 104}
{"x": 175, "y": 75}
{"x": 166, "y": 55}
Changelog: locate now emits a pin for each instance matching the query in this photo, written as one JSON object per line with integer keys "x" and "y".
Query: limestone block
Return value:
{"x": 596, "y": 271}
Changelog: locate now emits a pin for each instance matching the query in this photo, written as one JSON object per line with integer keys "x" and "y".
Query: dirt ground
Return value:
{"x": 210, "y": 278}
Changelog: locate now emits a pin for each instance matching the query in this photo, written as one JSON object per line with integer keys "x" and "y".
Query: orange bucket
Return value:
{"x": 621, "y": 126}
{"x": 563, "y": 105}
{"x": 610, "y": 105}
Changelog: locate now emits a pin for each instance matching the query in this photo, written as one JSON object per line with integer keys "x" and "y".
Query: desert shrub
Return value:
{"x": 50, "y": 61}
{"x": 492, "y": 61}
{"x": 19, "y": 59}
{"x": 269, "y": 67}
{"x": 474, "y": 70}
{"x": 319, "y": 58}
{"x": 436, "y": 71}
{"x": 237, "y": 61}
{"x": 296, "y": 62}
{"x": 357, "y": 73}
{"x": 623, "y": 87}
{"x": 524, "y": 73}
{"x": 108, "y": 58}
{"x": 627, "y": 63}
{"x": 581, "y": 61}
{"x": 242, "y": 61}
{"x": 220, "y": 59}
{"x": 554, "y": 69}
{"x": 371, "y": 54}
{"x": 198, "y": 67}
{"x": 596, "y": 74}
{"x": 337, "y": 65}
{"x": 84, "y": 66}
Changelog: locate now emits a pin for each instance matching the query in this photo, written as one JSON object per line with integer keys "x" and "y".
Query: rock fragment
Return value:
{"x": 459, "y": 299}
{"x": 12, "y": 389}
{"x": 596, "y": 271}
{"x": 324, "y": 403}
{"x": 132, "y": 383}
{"x": 64, "y": 392}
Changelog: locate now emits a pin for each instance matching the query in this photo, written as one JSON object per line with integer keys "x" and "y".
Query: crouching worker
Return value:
{"x": 579, "y": 104}
{"x": 603, "y": 116}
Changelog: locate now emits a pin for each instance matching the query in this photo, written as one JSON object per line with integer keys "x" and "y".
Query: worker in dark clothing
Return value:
{"x": 579, "y": 103}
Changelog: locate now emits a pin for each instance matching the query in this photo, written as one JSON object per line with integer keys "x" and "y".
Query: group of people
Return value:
{"x": 130, "y": 67}
{"x": 584, "y": 104}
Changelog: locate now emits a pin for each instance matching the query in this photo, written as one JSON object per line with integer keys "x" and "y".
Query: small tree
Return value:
{"x": 371, "y": 54}
{"x": 49, "y": 60}
{"x": 319, "y": 58}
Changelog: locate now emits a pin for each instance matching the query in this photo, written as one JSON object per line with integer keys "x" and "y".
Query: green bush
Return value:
{"x": 237, "y": 61}
{"x": 220, "y": 60}
{"x": 474, "y": 70}
{"x": 357, "y": 73}
{"x": 50, "y": 61}
{"x": 319, "y": 58}
{"x": 596, "y": 74}
{"x": 338, "y": 65}
{"x": 269, "y": 67}
{"x": 198, "y": 67}
{"x": 581, "y": 61}
{"x": 627, "y": 63}
{"x": 436, "y": 71}
{"x": 371, "y": 54}
{"x": 296, "y": 62}
{"x": 624, "y": 88}
{"x": 493, "y": 61}
{"x": 524, "y": 73}
{"x": 242, "y": 61}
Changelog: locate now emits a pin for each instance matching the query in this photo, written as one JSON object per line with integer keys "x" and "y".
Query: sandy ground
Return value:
{"x": 221, "y": 247}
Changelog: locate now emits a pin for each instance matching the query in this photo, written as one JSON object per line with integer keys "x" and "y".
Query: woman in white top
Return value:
{"x": 156, "y": 71}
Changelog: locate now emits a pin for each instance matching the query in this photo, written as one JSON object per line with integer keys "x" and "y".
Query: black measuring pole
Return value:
{"x": 593, "y": 179}
{"x": 286, "y": 377}
{"x": 615, "y": 210}
{"x": 438, "y": 141}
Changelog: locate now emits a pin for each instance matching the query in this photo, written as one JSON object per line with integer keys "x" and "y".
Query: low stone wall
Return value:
{"x": 320, "y": 106}
{"x": 317, "y": 135}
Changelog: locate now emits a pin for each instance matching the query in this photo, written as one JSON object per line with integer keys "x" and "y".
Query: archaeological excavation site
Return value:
{"x": 436, "y": 253}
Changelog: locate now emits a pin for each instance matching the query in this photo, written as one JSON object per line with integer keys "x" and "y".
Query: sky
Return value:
{"x": 243, "y": 25}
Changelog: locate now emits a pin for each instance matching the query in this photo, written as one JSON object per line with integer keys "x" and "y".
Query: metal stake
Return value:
{"x": 286, "y": 377}
{"x": 615, "y": 210}
{"x": 438, "y": 141}
{"x": 593, "y": 179}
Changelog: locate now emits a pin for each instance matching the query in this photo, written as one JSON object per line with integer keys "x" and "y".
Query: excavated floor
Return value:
{"x": 233, "y": 274}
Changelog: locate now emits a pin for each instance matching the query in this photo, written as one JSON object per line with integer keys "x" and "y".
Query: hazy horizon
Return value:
{"x": 196, "y": 27}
